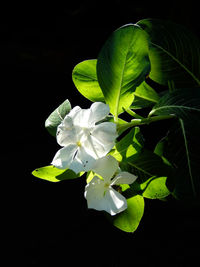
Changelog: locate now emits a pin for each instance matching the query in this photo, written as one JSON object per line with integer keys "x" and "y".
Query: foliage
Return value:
{"x": 169, "y": 55}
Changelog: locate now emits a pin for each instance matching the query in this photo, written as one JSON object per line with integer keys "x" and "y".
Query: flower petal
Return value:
{"x": 94, "y": 148}
{"x": 80, "y": 117}
{"x": 115, "y": 202}
{"x": 124, "y": 178}
{"x": 94, "y": 193}
{"x": 82, "y": 161}
{"x": 106, "y": 167}
{"x": 64, "y": 157}
{"x": 98, "y": 112}
{"x": 66, "y": 133}
{"x": 74, "y": 112}
{"x": 101, "y": 197}
{"x": 105, "y": 133}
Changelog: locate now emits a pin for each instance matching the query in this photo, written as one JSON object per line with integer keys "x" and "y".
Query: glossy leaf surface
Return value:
{"x": 129, "y": 219}
{"x": 84, "y": 76}
{"x": 122, "y": 65}
{"x": 153, "y": 188}
{"x": 174, "y": 53}
{"x": 52, "y": 174}
{"x": 56, "y": 117}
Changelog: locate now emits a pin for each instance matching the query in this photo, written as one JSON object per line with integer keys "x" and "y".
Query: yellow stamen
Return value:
{"x": 78, "y": 143}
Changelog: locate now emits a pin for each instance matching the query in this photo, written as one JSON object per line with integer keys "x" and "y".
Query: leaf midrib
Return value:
{"x": 172, "y": 107}
{"x": 188, "y": 157}
{"x": 140, "y": 169}
{"x": 90, "y": 78}
{"x": 121, "y": 82}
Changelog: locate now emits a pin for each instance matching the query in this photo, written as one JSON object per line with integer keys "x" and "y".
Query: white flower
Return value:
{"x": 99, "y": 192}
{"x": 82, "y": 139}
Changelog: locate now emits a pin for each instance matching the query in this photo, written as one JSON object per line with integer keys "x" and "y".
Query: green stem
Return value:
{"x": 138, "y": 122}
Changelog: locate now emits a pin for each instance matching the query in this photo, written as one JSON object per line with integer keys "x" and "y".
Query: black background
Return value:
{"x": 48, "y": 224}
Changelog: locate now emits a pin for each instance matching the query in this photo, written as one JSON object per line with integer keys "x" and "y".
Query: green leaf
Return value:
{"x": 147, "y": 164}
{"x": 56, "y": 117}
{"x": 153, "y": 188}
{"x": 174, "y": 53}
{"x": 146, "y": 92}
{"x": 129, "y": 219}
{"x": 122, "y": 65}
{"x": 132, "y": 157}
{"x": 85, "y": 79}
{"x": 52, "y": 174}
{"x": 160, "y": 148}
{"x": 129, "y": 145}
{"x": 183, "y": 151}
{"x": 183, "y": 143}
{"x": 179, "y": 102}
{"x": 140, "y": 103}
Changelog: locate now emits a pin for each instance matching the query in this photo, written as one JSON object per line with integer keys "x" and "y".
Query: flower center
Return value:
{"x": 106, "y": 185}
{"x": 86, "y": 131}
{"x": 78, "y": 143}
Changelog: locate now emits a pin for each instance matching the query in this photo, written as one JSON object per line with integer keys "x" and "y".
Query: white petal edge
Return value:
{"x": 114, "y": 202}
{"x": 94, "y": 194}
{"x": 105, "y": 133}
{"x": 99, "y": 111}
{"x": 124, "y": 178}
{"x": 66, "y": 133}
{"x": 83, "y": 161}
{"x": 101, "y": 198}
{"x": 64, "y": 157}
{"x": 106, "y": 167}
{"x": 74, "y": 113}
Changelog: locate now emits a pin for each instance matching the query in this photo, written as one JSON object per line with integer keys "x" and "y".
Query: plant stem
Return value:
{"x": 138, "y": 122}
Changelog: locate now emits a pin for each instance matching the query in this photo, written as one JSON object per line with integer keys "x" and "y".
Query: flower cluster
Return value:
{"x": 86, "y": 140}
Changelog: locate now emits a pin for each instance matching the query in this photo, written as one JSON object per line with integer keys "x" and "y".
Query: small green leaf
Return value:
{"x": 52, "y": 174}
{"x": 155, "y": 188}
{"x": 122, "y": 65}
{"x": 146, "y": 92}
{"x": 56, "y": 117}
{"x": 129, "y": 219}
{"x": 85, "y": 79}
{"x": 140, "y": 103}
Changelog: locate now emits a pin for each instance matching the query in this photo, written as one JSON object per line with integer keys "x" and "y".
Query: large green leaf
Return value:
{"x": 174, "y": 53}
{"x": 122, "y": 65}
{"x": 147, "y": 164}
{"x": 179, "y": 102}
{"x": 129, "y": 219}
{"x": 132, "y": 156}
{"x": 84, "y": 76}
{"x": 52, "y": 174}
{"x": 182, "y": 146}
{"x": 183, "y": 151}
{"x": 56, "y": 117}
